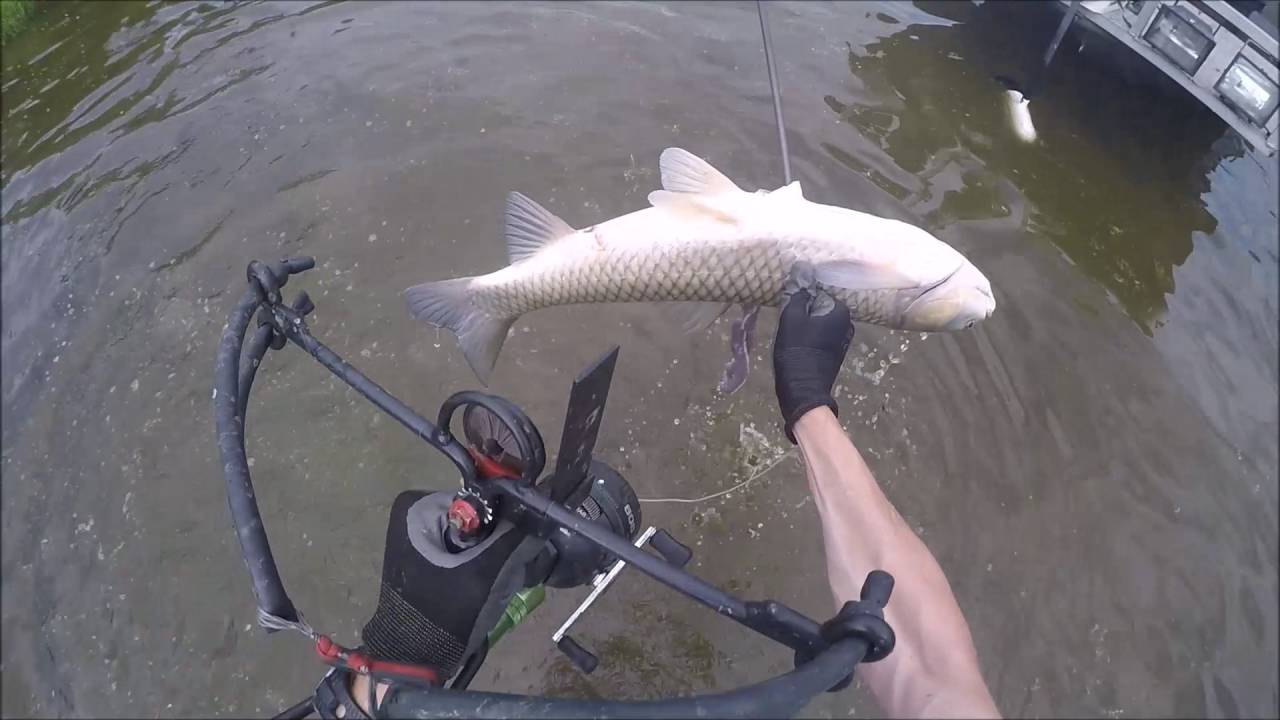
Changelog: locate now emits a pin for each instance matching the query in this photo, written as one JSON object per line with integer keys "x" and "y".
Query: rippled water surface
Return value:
{"x": 1095, "y": 466}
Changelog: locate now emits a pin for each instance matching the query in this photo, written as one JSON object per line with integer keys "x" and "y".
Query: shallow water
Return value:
{"x": 1095, "y": 466}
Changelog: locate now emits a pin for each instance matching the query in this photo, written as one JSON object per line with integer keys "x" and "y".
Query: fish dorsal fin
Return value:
{"x": 530, "y": 227}
{"x": 860, "y": 276}
{"x": 702, "y": 206}
{"x": 789, "y": 192}
{"x": 684, "y": 172}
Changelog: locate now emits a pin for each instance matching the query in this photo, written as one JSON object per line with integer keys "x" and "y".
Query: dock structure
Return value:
{"x": 1226, "y": 54}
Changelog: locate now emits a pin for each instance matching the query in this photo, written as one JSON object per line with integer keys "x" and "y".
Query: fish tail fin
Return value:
{"x": 448, "y": 304}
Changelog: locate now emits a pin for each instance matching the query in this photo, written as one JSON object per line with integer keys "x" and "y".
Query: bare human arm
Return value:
{"x": 933, "y": 669}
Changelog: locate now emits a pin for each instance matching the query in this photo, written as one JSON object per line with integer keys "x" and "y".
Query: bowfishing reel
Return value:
{"x": 610, "y": 503}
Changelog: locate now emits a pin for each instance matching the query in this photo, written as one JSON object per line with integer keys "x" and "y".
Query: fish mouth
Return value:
{"x": 991, "y": 306}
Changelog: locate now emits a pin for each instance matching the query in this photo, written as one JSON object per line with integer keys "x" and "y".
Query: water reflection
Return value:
{"x": 1118, "y": 192}
{"x": 100, "y": 107}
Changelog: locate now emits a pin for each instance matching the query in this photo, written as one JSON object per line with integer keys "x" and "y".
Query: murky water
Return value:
{"x": 1095, "y": 467}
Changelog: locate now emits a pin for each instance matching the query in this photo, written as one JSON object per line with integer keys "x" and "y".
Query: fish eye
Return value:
{"x": 969, "y": 324}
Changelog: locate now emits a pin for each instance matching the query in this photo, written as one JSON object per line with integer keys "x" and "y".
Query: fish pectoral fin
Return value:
{"x": 860, "y": 276}
{"x": 690, "y": 204}
{"x": 530, "y": 227}
{"x": 684, "y": 172}
{"x": 742, "y": 338}
{"x": 705, "y": 314}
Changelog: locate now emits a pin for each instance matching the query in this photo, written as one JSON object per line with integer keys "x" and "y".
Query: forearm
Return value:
{"x": 933, "y": 669}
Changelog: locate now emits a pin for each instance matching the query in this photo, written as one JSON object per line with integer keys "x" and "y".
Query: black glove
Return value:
{"x": 437, "y": 607}
{"x": 813, "y": 336}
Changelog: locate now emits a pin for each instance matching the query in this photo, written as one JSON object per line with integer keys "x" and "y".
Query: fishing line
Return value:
{"x": 715, "y": 495}
{"x": 777, "y": 94}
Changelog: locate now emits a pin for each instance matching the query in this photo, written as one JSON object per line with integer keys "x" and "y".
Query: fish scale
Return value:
{"x": 704, "y": 239}
{"x": 755, "y": 276}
